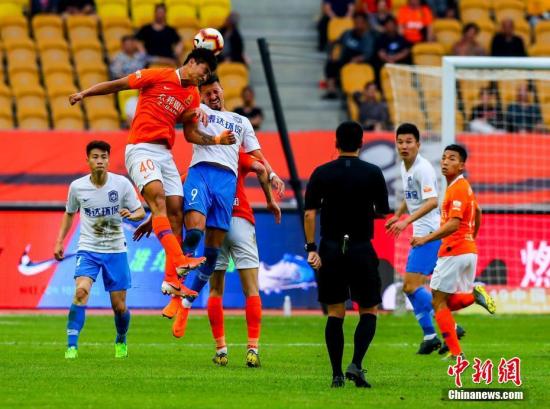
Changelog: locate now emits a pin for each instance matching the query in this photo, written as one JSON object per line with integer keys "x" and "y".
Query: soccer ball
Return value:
{"x": 209, "y": 38}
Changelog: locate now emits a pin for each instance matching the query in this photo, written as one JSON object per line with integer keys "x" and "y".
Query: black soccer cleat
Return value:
{"x": 428, "y": 346}
{"x": 460, "y": 332}
{"x": 357, "y": 375}
{"x": 338, "y": 381}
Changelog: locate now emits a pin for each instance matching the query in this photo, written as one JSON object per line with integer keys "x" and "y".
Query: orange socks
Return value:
{"x": 253, "y": 319}
{"x": 460, "y": 301}
{"x": 163, "y": 231}
{"x": 170, "y": 273}
{"x": 215, "y": 315}
{"x": 447, "y": 326}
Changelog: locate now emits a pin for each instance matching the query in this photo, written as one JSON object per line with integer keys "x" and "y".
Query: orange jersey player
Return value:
{"x": 167, "y": 96}
{"x": 453, "y": 278}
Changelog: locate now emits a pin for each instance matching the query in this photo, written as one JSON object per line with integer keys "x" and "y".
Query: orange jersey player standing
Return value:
{"x": 453, "y": 278}
{"x": 167, "y": 96}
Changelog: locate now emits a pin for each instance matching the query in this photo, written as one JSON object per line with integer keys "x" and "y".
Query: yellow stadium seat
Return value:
{"x": 87, "y": 53}
{"x": 213, "y": 16}
{"x": 473, "y": 10}
{"x": 354, "y": 76}
{"x": 539, "y": 50}
{"x": 233, "y": 77}
{"x": 14, "y": 27}
{"x": 112, "y": 8}
{"x": 123, "y": 97}
{"x": 142, "y": 14}
{"x": 116, "y": 27}
{"x": 353, "y": 109}
{"x": 447, "y": 32}
{"x": 542, "y": 32}
{"x": 81, "y": 28}
{"x": 187, "y": 34}
{"x": 486, "y": 33}
{"x": 23, "y": 76}
{"x": 202, "y": 3}
{"x": 523, "y": 30}
{"x": 337, "y": 26}
{"x": 105, "y": 119}
{"x": 53, "y": 51}
{"x": 428, "y": 54}
{"x": 46, "y": 26}
{"x": 181, "y": 15}
{"x": 32, "y": 117}
{"x": 29, "y": 94}
{"x": 66, "y": 117}
{"x": 386, "y": 85}
{"x": 90, "y": 77}
{"x": 59, "y": 93}
{"x": 6, "y": 117}
{"x": 543, "y": 90}
{"x": 10, "y": 8}
{"x": 513, "y": 9}
{"x": 99, "y": 102}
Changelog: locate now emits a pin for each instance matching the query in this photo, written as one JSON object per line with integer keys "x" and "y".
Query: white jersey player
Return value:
{"x": 103, "y": 198}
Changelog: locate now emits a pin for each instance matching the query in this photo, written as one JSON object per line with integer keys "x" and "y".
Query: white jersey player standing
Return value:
{"x": 103, "y": 198}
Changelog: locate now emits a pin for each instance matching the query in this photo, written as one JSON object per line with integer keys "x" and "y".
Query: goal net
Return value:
{"x": 499, "y": 109}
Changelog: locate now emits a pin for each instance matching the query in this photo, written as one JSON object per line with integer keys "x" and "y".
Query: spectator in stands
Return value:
{"x": 415, "y": 22}
{"x": 379, "y": 17}
{"x": 357, "y": 45}
{"x": 373, "y": 113}
{"x": 233, "y": 49}
{"x": 372, "y": 6}
{"x": 44, "y": 6}
{"x": 442, "y": 8}
{"x": 507, "y": 43}
{"x": 391, "y": 46}
{"x": 331, "y": 9}
{"x": 487, "y": 116}
{"x": 160, "y": 40}
{"x": 249, "y": 108}
{"x": 76, "y": 7}
{"x": 523, "y": 115}
{"x": 129, "y": 59}
{"x": 468, "y": 44}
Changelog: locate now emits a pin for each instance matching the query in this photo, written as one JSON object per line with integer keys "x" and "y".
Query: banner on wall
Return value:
{"x": 43, "y": 165}
{"x": 517, "y": 271}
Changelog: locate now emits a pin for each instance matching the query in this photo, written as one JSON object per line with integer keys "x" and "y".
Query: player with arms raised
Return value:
{"x": 166, "y": 97}
{"x": 453, "y": 278}
{"x": 103, "y": 198}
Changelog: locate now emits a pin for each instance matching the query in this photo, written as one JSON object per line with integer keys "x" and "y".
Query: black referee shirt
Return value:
{"x": 349, "y": 192}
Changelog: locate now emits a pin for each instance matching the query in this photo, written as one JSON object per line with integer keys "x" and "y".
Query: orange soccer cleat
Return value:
{"x": 172, "y": 307}
{"x": 177, "y": 289}
{"x": 186, "y": 264}
{"x": 180, "y": 323}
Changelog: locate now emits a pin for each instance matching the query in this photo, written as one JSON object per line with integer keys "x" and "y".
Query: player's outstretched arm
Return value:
{"x": 276, "y": 181}
{"x": 193, "y": 134}
{"x": 66, "y": 224}
{"x": 134, "y": 216}
{"x": 263, "y": 177}
{"x": 447, "y": 229}
{"x": 102, "y": 88}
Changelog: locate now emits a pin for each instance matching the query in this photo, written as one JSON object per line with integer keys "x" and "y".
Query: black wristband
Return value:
{"x": 310, "y": 247}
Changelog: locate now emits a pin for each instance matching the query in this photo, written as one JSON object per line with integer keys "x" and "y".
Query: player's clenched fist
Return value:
{"x": 226, "y": 138}
{"x": 74, "y": 98}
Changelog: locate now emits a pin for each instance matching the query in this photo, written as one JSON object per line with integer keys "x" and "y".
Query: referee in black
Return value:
{"x": 349, "y": 193}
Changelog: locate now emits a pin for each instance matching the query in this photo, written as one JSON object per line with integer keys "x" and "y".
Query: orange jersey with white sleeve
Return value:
{"x": 460, "y": 203}
{"x": 162, "y": 101}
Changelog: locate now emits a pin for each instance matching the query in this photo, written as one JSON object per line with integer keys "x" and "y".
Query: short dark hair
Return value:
{"x": 406, "y": 128}
{"x": 458, "y": 149}
{"x": 360, "y": 14}
{"x": 349, "y": 136}
{"x": 211, "y": 80}
{"x": 101, "y": 145}
{"x": 127, "y": 37}
{"x": 202, "y": 55}
{"x": 160, "y": 6}
{"x": 469, "y": 26}
{"x": 388, "y": 19}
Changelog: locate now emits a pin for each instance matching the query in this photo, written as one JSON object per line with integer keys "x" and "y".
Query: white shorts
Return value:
{"x": 146, "y": 162}
{"x": 455, "y": 274}
{"x": 240, "y": 244}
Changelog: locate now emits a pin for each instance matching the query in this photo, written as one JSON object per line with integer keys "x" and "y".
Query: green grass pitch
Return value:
{"x": 163, "y": 372}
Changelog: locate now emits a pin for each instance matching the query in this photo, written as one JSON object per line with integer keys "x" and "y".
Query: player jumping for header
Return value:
{"x": 453, "y": 278}
{"x": 166, "y": 97}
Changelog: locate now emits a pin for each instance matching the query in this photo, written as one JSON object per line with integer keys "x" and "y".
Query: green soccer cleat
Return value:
{"x": 121, "y": 350}
{"x": 71, "y": 353}
{"x": 452, "y": 358}
{"x": 252, "y": 359}
{"x": 485, "y": 300}
{"x": 220, "y": 359}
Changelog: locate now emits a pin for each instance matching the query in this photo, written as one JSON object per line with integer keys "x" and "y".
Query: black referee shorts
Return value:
{"x": 353, "y": 274}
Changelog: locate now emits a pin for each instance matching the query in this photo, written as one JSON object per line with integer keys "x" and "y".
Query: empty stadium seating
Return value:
{"x": 447, "y": 32}
{"x": 233, "y": 77}
{"x": 337, "y": 26}
{"x": 428, "y": 54}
